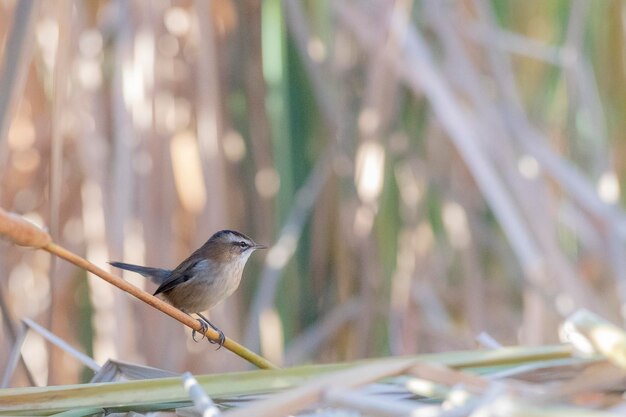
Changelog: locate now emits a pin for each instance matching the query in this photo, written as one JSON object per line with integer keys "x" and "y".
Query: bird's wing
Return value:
{"x": 184, "y": 272}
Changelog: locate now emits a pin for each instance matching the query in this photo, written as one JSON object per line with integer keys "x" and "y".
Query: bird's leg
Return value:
{"x": 204, "y": 326}
{"x": 222, "y": 338}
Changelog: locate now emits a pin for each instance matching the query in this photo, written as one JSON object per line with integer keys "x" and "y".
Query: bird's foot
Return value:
{"x": 204, "y": 326}
{"x": 221, "y": 339}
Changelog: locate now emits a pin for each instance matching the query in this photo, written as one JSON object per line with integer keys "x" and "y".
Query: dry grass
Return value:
{"x": 423, "y": 171}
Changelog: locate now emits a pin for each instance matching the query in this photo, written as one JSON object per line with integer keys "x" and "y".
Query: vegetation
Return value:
{"x": 424, "y": 172}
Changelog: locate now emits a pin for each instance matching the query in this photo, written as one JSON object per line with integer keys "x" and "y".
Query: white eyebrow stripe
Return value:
{"x": 235, "y": 238}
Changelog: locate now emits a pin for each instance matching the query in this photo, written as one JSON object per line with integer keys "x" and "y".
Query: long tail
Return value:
{"x": 156, "y": 275}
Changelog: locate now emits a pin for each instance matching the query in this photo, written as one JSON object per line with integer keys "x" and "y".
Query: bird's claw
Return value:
{"x": 220, "y": 341}
{"x": 203, "y": 328}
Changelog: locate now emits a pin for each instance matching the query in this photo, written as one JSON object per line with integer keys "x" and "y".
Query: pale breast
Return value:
{"x": 209, "y": 286}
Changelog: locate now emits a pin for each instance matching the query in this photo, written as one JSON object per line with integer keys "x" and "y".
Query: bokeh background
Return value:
{"x": 424, "y": 172}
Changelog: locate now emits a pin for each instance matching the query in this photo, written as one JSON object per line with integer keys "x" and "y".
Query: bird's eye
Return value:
{"x": 242, "y": 244}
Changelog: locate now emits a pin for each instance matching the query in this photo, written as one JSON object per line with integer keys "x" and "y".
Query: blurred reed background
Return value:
{"x": 424, "y": 171}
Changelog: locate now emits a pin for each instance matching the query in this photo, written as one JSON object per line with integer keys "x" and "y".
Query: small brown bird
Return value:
{"x": 208, "y": 276}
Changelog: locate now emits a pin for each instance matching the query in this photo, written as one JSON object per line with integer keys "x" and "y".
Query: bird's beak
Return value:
{"x": 257, "y": 246}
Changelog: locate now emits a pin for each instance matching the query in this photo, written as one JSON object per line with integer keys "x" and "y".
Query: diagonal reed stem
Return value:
{"x": 21, "y": 232}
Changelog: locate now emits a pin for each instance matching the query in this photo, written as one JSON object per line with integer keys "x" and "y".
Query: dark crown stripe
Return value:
{"x": 223, "y": 233}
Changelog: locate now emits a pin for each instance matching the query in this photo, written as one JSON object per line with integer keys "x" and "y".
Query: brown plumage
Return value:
{"x": 208, "y": 276}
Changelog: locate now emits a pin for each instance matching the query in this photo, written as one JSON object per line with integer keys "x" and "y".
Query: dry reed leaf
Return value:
{"x": 591, "y": 333}
{"x": 299, "y": 398}
{"x": 544, "y": 371}
{"x": 598, "y": 377}
{"x": 63, "y": 345}
{"x": 446, "y": 376}
{"x": 115, "y": 370}
{"x": 369, "y": 404}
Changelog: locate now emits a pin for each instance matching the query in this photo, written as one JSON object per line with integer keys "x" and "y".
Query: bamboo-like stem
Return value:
{"x": 44, "y": 400}
{"x": 24, "y": 233}
{"x": 15, "y": 59}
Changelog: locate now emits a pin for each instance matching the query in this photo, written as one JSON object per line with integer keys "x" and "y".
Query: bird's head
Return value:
{"x": 230, "y": 245}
